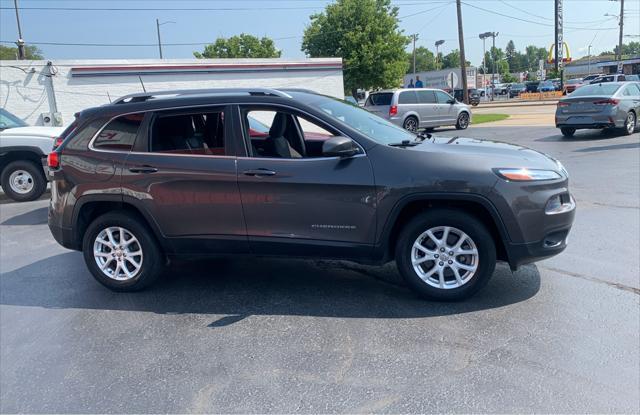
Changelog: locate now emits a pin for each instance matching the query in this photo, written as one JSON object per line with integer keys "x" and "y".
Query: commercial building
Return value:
{"x": 602, "y": 64}
{"x": 50, "y": 92}
{"x": 444, "y": 78}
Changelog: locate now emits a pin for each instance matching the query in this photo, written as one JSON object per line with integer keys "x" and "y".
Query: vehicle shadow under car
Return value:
{"x": 238, "y": 287}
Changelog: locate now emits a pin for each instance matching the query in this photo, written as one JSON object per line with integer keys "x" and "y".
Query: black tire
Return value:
{"x": 630, "y": 124}
{"x": 411, "y": 124}
{"x": 457, "y": 219}
{"x": 152, "y": 260}
{"x": 463, "y": 121}
{"x": 35, "y": 178}
{"x": 568, "y": 131}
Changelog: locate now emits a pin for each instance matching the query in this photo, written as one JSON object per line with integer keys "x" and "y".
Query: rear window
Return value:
{"x": 383, "y": 98}
{"x": 408, "y": 97}
{"x": 120, "y": 133}
{"x": 596, "y": 89}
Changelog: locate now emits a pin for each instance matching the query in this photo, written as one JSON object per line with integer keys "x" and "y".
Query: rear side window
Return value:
{"x": 426, "y": 97}
{"x": 120, "y": 133}
{"x": 383, "y": 98}
{"x": 199, "y": 133}
{"x": 408, "y": 97}
{"x": 621, "y": 78}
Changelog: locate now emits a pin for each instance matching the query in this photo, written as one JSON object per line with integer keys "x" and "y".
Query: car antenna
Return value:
{"x": 109, "y": 96}
{"x": 142, "y": 83}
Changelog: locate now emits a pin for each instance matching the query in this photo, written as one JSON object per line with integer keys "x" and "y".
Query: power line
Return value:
{"x": 529, "y": 21}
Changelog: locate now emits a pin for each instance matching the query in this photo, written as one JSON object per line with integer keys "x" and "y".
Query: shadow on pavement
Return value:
{"x": 611, "y": 147}
{"x": 32, "y": 217}
{"x": 241, "y": 287}
{"x": 589, "y": 135}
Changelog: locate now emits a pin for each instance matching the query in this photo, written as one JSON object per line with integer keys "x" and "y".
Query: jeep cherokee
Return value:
{"x": 156, "y": 175}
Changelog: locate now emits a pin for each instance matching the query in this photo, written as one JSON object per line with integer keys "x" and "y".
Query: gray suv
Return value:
{"x": 419, "y": 108}
{"x": 154, "y": 176}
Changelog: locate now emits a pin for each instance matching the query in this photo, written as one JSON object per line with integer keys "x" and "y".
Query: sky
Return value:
{"x": 523, "y": 21}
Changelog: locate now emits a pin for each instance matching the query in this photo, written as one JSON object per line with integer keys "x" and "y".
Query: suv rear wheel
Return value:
{"x": 23, "y": 181}
{"x": 568, "y": 131}
{"x": 446, "y": 255}
{"x": 411, "y": 124}
{"x": 121, "y": 252}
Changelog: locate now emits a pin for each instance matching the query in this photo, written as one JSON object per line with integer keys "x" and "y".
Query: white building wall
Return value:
{"x": 26, "y": 87}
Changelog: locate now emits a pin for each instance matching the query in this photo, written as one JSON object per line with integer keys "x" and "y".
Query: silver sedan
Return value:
{"x": 605, "y": 105}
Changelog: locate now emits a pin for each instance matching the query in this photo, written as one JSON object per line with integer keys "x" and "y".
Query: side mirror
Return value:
{"x": 339, "y": 146}
{"x": 452, "y": 101}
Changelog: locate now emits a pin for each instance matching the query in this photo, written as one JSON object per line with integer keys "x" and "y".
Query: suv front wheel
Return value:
{"x": 121, "y": 252}
{"x": 463, "y": 121}
{"x": 446, "y": 255}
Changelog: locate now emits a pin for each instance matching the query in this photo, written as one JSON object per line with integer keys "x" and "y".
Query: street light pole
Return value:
{"x": 20, "y": 42}
{"x": 158, "y": 24}
{"x": 438, "y": 43}
{"x": 415, "y": 36}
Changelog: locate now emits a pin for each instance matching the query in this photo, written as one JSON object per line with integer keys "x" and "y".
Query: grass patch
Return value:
{"x": 480, "y": 118}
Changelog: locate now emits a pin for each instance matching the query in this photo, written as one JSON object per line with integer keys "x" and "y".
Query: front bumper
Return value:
{"x": 552, "y": 244}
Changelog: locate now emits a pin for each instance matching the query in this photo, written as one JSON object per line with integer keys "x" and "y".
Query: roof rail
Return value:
{"x": 145, "y": 96}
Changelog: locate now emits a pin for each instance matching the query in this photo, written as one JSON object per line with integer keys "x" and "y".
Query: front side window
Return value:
{"x": 443, "y": 97}
{"x": 277, "y": 133}
{"x": 200, "y": 133}
{"x": 120, "y": 134}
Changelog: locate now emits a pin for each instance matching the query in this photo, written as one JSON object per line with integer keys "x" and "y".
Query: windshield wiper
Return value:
{"x": 406, "y": 143}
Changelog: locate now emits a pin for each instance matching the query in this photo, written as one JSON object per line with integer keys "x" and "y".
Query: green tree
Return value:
{"x": 425, "y": 60}
{"x": 452, "y": 60}
{"x": 533, "y": 55}
{"x": 366, "y": 35}
{"x": 30, "y": 52}
{"x": 243, "y": 46}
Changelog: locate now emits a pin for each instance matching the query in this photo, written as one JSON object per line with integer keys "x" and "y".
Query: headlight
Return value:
{"x": 562, "y": 169}
{"x": 524, "y": 175}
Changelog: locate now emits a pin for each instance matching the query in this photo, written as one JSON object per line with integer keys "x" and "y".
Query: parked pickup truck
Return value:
{"x": 22, "y": 150}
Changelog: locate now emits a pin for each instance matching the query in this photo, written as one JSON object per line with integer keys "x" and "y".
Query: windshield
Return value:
{"x": 574, "y": 81}
{"x": 8, "y": 120}
{"x": 596, "y": 89}
{"x": 515, "y": 86}
{"x": 374, "y": 127}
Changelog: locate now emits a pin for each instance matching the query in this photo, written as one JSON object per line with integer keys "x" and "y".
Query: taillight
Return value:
{"x": 53, "y": 160}
{"x": 609, "y": 101}
{"x": 563, "y": 104}
{"x": 393, "y": 110}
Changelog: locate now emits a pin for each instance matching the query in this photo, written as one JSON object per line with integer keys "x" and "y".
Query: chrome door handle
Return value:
{"x": 259, "y": 172}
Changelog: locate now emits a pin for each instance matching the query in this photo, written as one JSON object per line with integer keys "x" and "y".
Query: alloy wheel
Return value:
{"x": 21, "y": 182}
{"x": 411, "y": 125}
{"x": 118, "y": 253}
{"x": 631, "y": 123}
{"x": 463, "y": 120}
{"x": 445, "y": 257}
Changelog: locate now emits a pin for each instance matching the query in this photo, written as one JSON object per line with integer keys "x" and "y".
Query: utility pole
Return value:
{"x": 415, "y": 37}
{"x": 20, "y": 42}
{"x": 621, "y": 30}
{"x": 463, "y": 63}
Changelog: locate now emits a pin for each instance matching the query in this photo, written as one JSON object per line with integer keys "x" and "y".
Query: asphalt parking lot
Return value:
{"x": 275, "y": 335}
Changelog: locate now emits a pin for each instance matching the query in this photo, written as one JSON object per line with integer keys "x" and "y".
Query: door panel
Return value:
{"x": 188, "y": 184}
{"x": 328, "y": 199}
{"x": 446, "y": 112}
